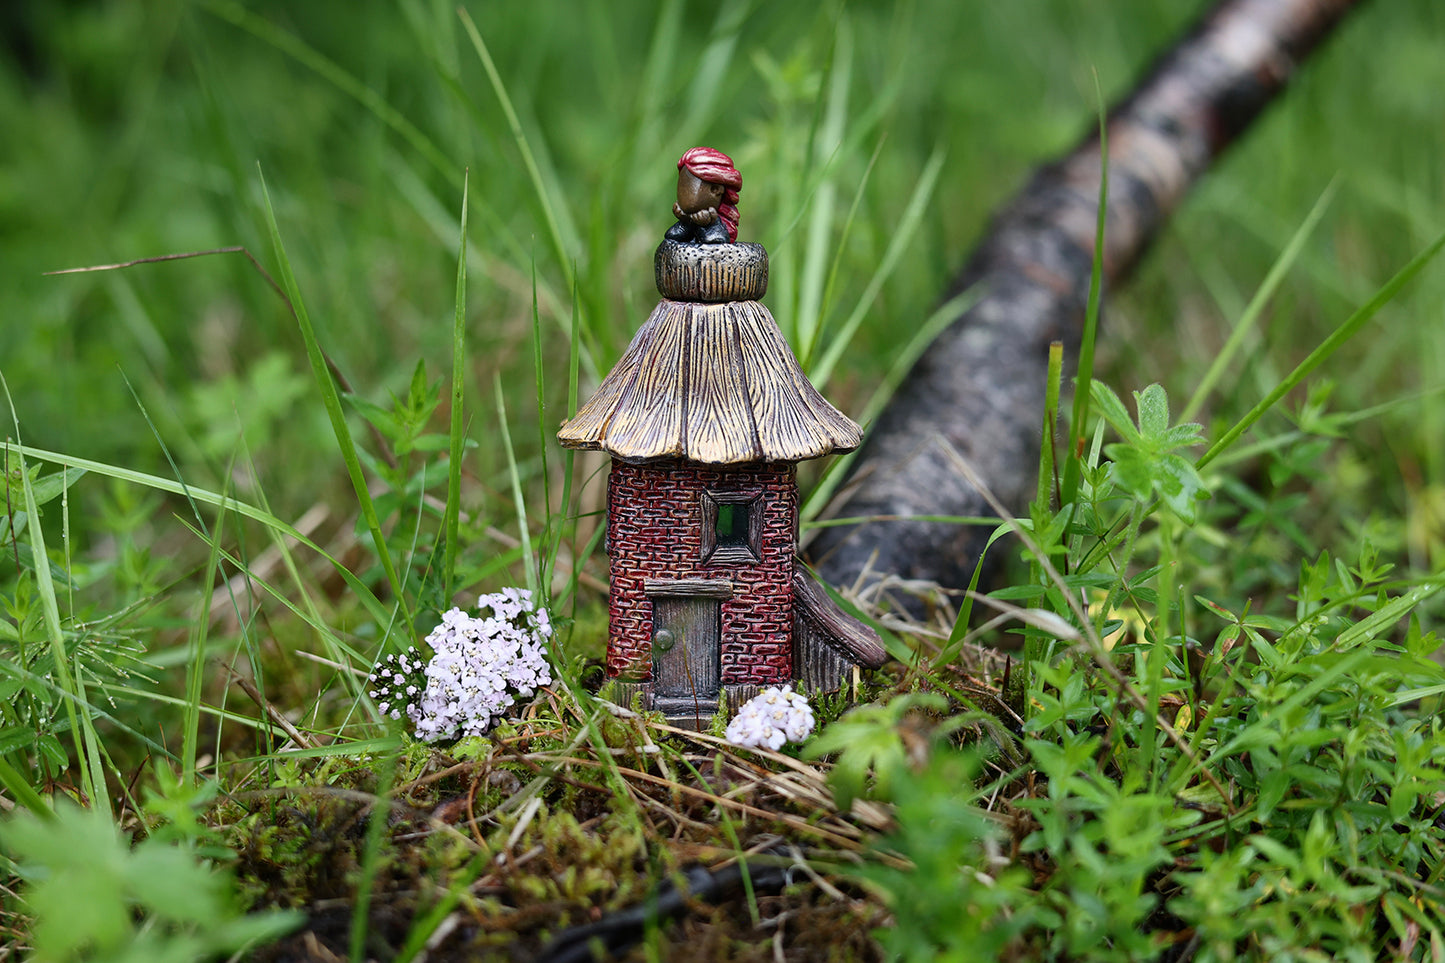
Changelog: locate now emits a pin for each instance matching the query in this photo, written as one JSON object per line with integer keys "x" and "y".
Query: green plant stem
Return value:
{"x": 1047, "y": 480}
{"x": 195, "y": 668}
{"x": 1077, "y": 423}
{"x": 825, "y": 137}
{"x": 1137, "y": 514}
{"x": 457, "y": 434}
{"x": 550, "y": 536}
{"x": 808, "y": 349}
{"x": 1158, "y": 654}
{"x": 529, "y": 561}
{"x": 1042, "y": 513}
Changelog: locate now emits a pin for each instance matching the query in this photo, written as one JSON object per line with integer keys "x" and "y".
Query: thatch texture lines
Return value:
{"x": 714, "y": 384}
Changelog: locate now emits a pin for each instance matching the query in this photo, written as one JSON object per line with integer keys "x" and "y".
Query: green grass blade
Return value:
{"x": 1252, "y": 311}
{"x": 827, "y": 136}
{"x": 84, "y": 751}
{"x": 112, "y": 691}
{"x": 309, "y": 57}
{"x": 810, "y": 348}
{"x": 907, "y": 227}
{"x": 66, "y": 543}
{"x": 457, "y": 434}
{"x": 552, "y": 521}
{"x": 195, "y": 670}
{"x": 426, "y": 923}
{"x": 959, "y": 632}
{"x": 1388, "y": 614}
{"x": 713, "y": 62}
{"x": 649, "y": 109}
{"x": 377, "y": 820}
{"x": 529, "y": 560}
{"x": 226, "y": 503}
{"x": 569, "y": 465}
{"x": 19, "y": 787}
{"x": 332, "y": 401}
{"x": 554, "y": 230}
{"x": 1347, "y": 330}
{"x": 1091, "y": 314}
{"x": 1052, "y": 386}
{"x": 95, "y": 753}
{"x": 336, "y": 648}
{"x": 836, "y": 471}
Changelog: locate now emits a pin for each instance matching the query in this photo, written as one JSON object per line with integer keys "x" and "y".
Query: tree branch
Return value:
{"x": 980, "y": 385}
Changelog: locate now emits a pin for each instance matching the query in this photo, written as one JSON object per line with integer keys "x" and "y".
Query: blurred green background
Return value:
{"x": 136, "y": 129}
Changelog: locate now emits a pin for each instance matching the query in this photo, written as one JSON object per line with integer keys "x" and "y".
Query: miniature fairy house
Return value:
{"x": 706, "y": 417}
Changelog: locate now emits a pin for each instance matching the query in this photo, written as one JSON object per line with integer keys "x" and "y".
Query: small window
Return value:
{"x": 732, "y": 525}
{"x": 731, "y": 528}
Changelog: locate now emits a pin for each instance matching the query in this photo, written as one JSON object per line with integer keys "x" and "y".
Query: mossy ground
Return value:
{"x": 531, "y": 831}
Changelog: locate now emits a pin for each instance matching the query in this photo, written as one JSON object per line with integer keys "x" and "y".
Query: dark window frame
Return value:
{"x": 749, "y": 552}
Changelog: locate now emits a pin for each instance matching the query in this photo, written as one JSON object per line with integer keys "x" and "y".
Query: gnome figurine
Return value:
{"x": 707, "y": 197}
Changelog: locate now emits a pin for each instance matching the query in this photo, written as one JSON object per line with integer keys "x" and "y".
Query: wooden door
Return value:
{"x": 686, "y": 632}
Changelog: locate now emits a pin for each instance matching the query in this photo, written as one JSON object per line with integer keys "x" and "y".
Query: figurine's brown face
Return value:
{"x": 695, "y": 194}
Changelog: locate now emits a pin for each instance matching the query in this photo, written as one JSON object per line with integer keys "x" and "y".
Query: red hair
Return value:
{"x": 715, "y": 167}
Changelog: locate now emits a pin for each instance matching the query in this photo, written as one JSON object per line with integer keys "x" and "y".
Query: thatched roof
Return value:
{"x": 710, "y": 383}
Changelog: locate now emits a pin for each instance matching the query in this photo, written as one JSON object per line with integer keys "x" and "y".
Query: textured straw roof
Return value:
{"x": 710, "y": 383}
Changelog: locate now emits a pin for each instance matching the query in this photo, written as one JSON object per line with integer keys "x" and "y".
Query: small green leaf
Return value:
{"x": 27, "y": 561}
{"x": 1215, "y": 607}
{"x": 868, "y": 740}
{"x": 173, "y": 885}
{"x": 417, "y": 394}
{"x": 1153, "y": 406}
{"x": 1113, "y": 411}
{"x": 15, "y": 737}
{"x": 1179, "y": 485}
{"x": 78, "y": 911}
{"x": 1132, "y": 469}
{"x": 383, "y": 419}
{"x": 52, "y": 749}
{"x": 1181, "y": 436}
{"x": 48, "y": 488}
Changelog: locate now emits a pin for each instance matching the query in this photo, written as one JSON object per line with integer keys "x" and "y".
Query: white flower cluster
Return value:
{"x": 479, "y": 666}
{"x": 773, "y": 717}
{"x": 396, "y": 682}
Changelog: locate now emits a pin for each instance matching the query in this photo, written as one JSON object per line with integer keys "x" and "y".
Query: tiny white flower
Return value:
{"x": 773, "y": 717}
{"x": 480, "y": 664}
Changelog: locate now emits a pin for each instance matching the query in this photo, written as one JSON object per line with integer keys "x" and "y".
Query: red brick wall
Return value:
{"x": 654, "y": 528}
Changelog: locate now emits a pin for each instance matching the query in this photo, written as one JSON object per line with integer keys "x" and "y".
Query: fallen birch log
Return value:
{"x": 979, "y": 388}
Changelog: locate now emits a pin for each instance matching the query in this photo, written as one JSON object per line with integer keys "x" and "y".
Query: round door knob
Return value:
{"x": 663, "y": 640}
